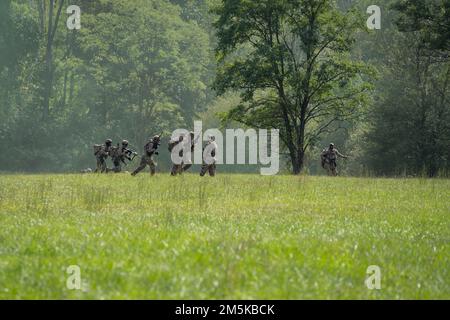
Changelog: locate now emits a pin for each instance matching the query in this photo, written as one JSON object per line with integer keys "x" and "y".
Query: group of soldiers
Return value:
{"x": 120, "y": 154}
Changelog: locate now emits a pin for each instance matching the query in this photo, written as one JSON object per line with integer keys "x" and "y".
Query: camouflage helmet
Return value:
{"x": 156, "y": 137}
{"x": 108, "y": 141}
{"x": 124, "y": 142}
{"x": 331, "y": 144}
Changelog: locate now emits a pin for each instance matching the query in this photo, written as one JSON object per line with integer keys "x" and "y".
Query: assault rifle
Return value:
{"x": 130, "y": 154}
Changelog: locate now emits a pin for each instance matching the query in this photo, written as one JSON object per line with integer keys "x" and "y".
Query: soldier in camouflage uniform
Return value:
{"x": 176, "y": 168}
{"x": 328, "y": 157}
{"x": 150, "y": 149}
{"x": 119, "y": 154}
{"x": 102, "y": 153}
{"x": 193, "y": 143}
{"x": 210, "y": 167}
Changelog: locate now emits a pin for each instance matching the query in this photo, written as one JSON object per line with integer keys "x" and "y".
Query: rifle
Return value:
{"x": 118, "y": 153}
{"x": 130, "y": 154}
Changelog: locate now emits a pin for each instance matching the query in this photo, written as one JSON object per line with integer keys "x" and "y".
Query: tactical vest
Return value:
{"x": 149, "y": 150}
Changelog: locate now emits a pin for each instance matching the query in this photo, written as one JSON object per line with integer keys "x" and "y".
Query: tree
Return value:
{"x": 133, "y": 69}
{"x": 409, "y": 122}
{"x": 146, "y": 63}
{"x": 430, "y": 18}
{"x": 18, "y": 39}
{"x": 290, "y": 60}
{"x": 49, "y": 14}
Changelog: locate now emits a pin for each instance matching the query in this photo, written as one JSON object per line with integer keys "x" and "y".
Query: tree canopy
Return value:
{"x": 309, "y": 68}
{"x": 297, "y": 73}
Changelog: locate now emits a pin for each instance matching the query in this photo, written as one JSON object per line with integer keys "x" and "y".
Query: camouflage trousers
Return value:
{"x": 101, "y": 165}
{"x": 117, "y": 166}
{"x": 330, "y": 165}
{"x": 210, "y": 168}
{"x": 146, "y": 160}
{"x": 180, "y": 168}
{"x": 176, "y": 169}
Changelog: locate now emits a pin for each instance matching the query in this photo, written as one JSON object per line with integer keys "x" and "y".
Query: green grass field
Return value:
{"x": 231, "y": 237}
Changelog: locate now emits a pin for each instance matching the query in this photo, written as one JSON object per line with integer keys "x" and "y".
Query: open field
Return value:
{"x": 232, "y": 237}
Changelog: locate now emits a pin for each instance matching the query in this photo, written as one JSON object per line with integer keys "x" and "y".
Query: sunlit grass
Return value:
{"x": 231, "y": 237}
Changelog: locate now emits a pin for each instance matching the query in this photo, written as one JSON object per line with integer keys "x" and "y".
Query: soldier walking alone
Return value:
{"x": 328, "y": 157}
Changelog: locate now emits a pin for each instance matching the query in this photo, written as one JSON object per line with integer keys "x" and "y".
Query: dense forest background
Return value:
{"x": 140, "y": 67}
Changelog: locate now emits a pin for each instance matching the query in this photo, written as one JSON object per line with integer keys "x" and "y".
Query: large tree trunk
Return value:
{"x": 297, "y": 160}
{"x": 295, "y": 164}
{"x": 301, "y": 159}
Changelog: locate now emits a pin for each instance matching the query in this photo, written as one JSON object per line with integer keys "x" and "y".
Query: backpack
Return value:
{"x": 149, "y": 149}
{"x": 115, "y": 152}
{"x": 97, "y": 149}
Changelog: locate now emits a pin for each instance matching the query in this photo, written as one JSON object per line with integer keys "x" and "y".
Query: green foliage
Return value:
{"x": 291, "y": 62}
{"x": 133, "y": 70}
{"x": 137, "y": 68}
{"x": 406, "y": 131}
{"x": 431, "y": 18}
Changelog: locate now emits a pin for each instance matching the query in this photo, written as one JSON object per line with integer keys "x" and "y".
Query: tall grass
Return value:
{"x": 234, "y": 236}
